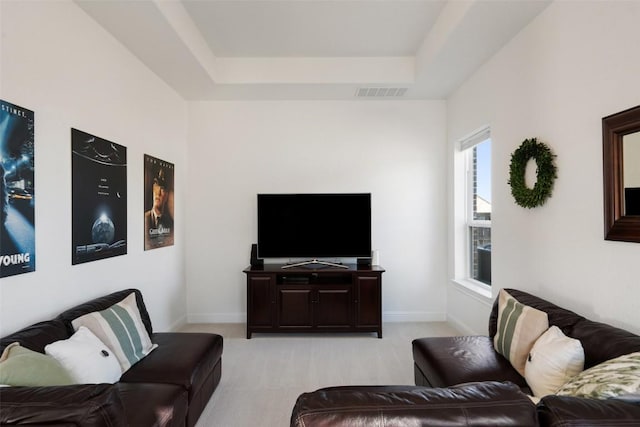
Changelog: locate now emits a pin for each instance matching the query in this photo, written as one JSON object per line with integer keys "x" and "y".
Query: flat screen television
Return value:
{"x": 314, "y": 225}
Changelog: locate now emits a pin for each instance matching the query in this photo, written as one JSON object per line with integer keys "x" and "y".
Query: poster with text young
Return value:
{"x": 17, "y": 191}
{"x": 99, "y": 198}
{"x": 158, "y": 203}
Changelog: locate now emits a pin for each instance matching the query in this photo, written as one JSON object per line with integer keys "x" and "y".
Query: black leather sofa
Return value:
{"x": 485, "y": 404}
{"x": 463, "y": 381}
{"x": 445, "y": 361}
{"x": 169, "y": 387}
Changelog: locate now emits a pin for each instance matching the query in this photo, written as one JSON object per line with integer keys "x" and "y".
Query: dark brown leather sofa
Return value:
{"x": 169, "y": 387}
{"x": 463, "y": 381}
{"x": 446, "y": 361}
{"x": 486, "y": 404}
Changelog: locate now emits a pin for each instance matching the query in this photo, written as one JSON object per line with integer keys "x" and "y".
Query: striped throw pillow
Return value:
{"x": 519, "y": 326}
{"x": 121, "y": 329}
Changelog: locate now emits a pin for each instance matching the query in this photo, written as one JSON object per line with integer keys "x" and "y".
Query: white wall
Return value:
{"x": 393, "y": 149}
{"x": 59, "y": 63}
{"x": 555, "y": 81}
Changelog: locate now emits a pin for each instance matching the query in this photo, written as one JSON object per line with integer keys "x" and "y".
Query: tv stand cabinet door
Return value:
{"x": 295, "y": 307}
{"x": 368, "y": 302}
{"x": 334, "y": 307}
{"x": 260, "y": 303}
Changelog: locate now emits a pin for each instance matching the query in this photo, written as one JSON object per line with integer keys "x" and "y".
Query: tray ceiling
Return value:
{"x": 313, "y": 49}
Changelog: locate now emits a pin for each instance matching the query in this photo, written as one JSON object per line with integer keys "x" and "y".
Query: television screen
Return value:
{"x": 314, "y": 225}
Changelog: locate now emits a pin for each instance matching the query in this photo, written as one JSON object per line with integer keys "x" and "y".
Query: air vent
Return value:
{"x": 380, "y": 92}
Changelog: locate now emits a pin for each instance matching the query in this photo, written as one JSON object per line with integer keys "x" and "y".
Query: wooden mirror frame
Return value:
{"x": 624, "y": 228}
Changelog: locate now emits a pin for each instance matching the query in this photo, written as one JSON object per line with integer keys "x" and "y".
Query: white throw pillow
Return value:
{"x": 553, "y": 360}
{"x": 86, "y": 358}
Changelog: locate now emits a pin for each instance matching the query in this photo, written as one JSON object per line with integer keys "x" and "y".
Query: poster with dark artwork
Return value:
{"x": 158, "y": 203}
{"x": 99, "y": 198}
{"x": 17, "y": 191}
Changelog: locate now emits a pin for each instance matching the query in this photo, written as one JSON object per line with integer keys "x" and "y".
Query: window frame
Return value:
{"x": 463, "y": 256}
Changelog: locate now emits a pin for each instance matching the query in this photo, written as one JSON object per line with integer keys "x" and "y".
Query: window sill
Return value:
{"x": 474, "y": 288}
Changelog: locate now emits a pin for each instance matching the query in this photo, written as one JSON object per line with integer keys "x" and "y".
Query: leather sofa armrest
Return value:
{"x": 473, "y": 404}
{"x": 567, "y": 411}
{"x": 91, "y": 405}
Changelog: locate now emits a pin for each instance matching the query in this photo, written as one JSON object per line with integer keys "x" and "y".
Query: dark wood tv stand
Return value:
{"x": 306, "y": 299}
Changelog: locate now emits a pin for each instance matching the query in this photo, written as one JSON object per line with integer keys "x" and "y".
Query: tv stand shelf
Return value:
{"x": 326, "y": 299}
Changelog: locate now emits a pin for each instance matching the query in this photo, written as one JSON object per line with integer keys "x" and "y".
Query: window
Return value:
{"x": 476, "y": 155}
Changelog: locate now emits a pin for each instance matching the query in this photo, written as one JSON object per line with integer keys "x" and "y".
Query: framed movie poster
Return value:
{"x": 98, "y": 197}
{"x": 158, "y": 203}
{"x": 17, "y": 191}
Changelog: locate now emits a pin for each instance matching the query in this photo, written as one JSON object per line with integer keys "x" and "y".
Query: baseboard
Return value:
{"x": 217, "y": 318}
{"x": 413, "y": 316}
{"x": 460, "y": 326}
{"x": 472, "y": 322}
{"x": 178, "y": 324}
{"x": 387, "y": 316}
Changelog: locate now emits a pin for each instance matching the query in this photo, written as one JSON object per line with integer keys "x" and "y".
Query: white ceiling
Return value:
{"x": 313, "y": 49}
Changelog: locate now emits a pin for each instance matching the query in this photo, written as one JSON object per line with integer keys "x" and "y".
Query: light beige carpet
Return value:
{"x": 263, "y": 376}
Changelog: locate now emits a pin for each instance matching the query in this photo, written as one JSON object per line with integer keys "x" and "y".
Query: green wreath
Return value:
{"x": 545, "y": 173}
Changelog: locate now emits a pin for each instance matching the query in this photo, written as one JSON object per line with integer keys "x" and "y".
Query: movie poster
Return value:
{"x": 99, "y": 198}
{"x": 158, "y": 203}
{"x": 17, "y": 191}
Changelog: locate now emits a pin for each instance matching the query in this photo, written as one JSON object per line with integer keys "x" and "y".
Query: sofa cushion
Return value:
{"x": 566, "y": 411}
{"x": 519, "y": 326}
{"x": 558, "y": 316}
{"x": 102, "y": 303}
{"x": 20, "y": 366}
{"x": 553, "y": 360}
{"x": 477, "y": 404}
{"x": 94, "y": 405}
{"x": 619, "y": 377}
{"x": 169, "y": 406}
{"x": 120, "y": 328}
{"x": 619, "y": 342}
{"x": 86, "y": 358}
{"x": 590, "y": 333}
{"x": 36, "y": 336}
{"x": 184, "y": 359}
{"x": 447, "y": 361}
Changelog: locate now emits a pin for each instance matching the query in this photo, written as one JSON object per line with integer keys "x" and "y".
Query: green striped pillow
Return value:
{"x": 519, "y": 326}
{"x": 121, "y": 329}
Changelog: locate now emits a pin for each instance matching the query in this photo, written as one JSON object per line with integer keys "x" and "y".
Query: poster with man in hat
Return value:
{"x": 158, "y": 203}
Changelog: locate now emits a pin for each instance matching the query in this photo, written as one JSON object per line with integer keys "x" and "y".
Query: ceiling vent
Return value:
{"x": 380, "y": 92}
